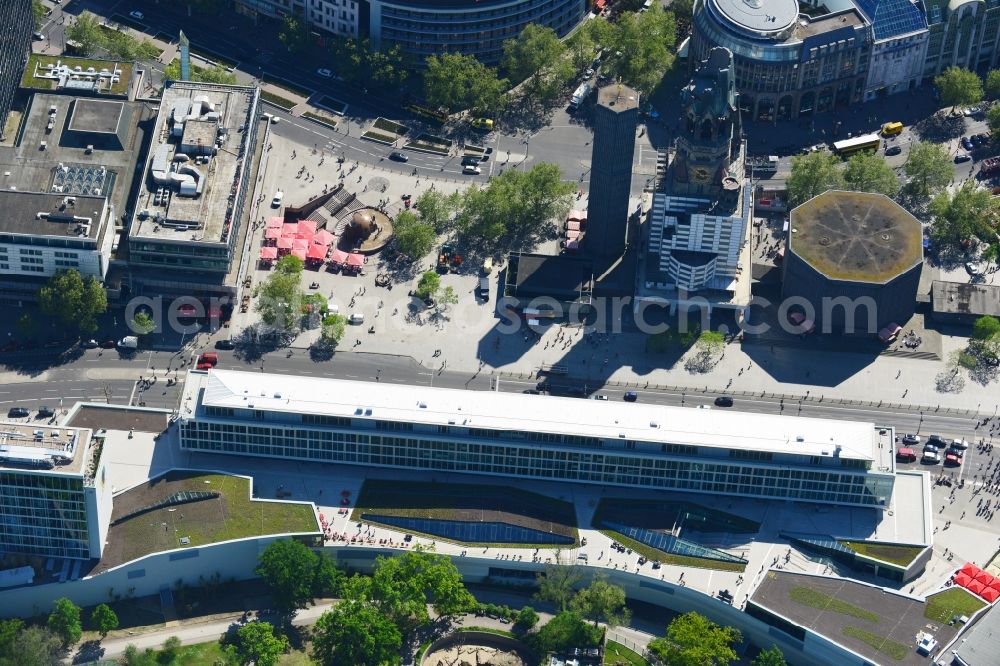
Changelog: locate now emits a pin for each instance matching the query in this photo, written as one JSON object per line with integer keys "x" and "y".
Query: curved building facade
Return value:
{"x": 790, "y": 60}
{"x": 426, "y": 27}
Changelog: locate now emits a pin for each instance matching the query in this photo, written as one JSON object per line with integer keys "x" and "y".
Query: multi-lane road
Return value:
{"x": 95, "y": 373}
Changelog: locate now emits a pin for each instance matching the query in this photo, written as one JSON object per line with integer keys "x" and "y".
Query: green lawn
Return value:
{"x": 616, "y": 654}
{"x": 897, "y": 651}
{"x": 232, "y": 516}
{"x": 28, "y": 79}
{"x": 668, "y": 558}
{"x": 278, "y": 100}
{"x": 210, "y": 654}
{"x": 816, "y": 599}
{"x": 901, "y": 555}
{"x": 956, "y": 601}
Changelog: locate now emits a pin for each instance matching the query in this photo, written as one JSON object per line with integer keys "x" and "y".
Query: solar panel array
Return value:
{"x": 891, "y": 18}
{"x": 82, "y": 180}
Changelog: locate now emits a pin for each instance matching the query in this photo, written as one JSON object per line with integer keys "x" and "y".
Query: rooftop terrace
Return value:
{"x": 542, "y": 414}
{"x": 192, "y": 180}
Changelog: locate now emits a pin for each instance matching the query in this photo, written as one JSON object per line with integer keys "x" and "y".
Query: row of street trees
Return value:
{"x": 928, "y": 167}
{"x": 93, "y": 38}
{"x": 37, "y": 645}
{"x": 643, "y": 51}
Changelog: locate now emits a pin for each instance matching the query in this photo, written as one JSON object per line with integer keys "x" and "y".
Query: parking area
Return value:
{"x": 938, "y": 453}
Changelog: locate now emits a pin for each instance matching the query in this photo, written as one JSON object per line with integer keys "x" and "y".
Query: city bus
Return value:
{"x": 892, "y": 129}
{"x": 851, "y": 146}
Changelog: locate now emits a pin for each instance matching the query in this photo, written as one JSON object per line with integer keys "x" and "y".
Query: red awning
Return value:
{"x": 300, "y": 244}
{"x": 355, "y": 260}
{"x": 272, "y": 233}
{"x": 323, "y": 237}
{"x": 578, "y": 215}
{"x": 985, "y": 577}
{"x": 317, "y": 252}
{"x": 275, "y": 222}
{"x": 299, "y": 252}
{"x": 572, "y": 235}
{"x": 285, "y": 242}
{"x": 307, "y": 236}
{"x": 970, "y": 569}
{"x": 268, "y": 253}
{"x": 338, "y": 256}
{"x": 573, "y": 225}
{"x": 963, "y": 579}
{"x": 307, "y": 226}
{"x": 975, "y": 586}
{"x": 990, "y": 594}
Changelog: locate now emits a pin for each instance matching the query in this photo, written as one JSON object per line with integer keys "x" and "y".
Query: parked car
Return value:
{"x": 911, "y": 439}
{"x": 952, "y": 459}
{"x": 962, "y": 157}
{"x": 724, "y": 401}
{"x": 973, "y": 268}
{"x": 599, "y": 396}
{"x": 108, "y": 344}
{"x": 936, "y": 440}
{"x": 931, "y": 448}
{"x": 17, "y": 413}
{"x": 630, "y": 396}
{"x": 893, "y": 150}
{"x": 278, "y": 198}
{"x": 470, "y": 160}
{"x": 324, "y": 72}
{"x": 37, "y": 36}
{"x": 959, "y": 444}
{"x": 136, "y": 14}
{"x": 905, "y": 454}
{"x": 225, "y": 344}
{"x": 966, "y": 143}
{"x": 46, "y": 412}
{"x": 398, "y": 156}
{"x": 930, "y": 458}
{"x": 89, "y": 344}
{"x": 210, "y": 358}
{"x": 471, "y": 170}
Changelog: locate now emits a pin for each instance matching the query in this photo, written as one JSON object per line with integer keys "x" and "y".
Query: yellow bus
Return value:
{"x": 853, "y": 145}
{"x": 892, "y": 129}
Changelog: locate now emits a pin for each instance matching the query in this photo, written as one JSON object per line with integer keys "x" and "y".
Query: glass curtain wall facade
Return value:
{"x": 43, "y": 514}
{"x": 525, "y": 454}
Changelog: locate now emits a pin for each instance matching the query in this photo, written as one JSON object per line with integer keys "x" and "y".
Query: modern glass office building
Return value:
{"x": 527, "y": 436}
{"x": 54, "y": 499}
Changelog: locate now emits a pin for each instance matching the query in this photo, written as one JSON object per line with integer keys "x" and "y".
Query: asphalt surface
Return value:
{"x": 94, "y": 371}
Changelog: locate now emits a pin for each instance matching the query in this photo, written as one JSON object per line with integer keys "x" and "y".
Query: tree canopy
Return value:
{"x": 414, "y": 236}
{"x": 565, "y": 630}
{"x": 437, "y": 208}
{"x": 970, "y": 214}
{"x": 333, "y": 329}
{"x": 812, "y": 174}
{"x": 557, "y": 585}
{"x": 460, "y": 81}
{"x": 87, "y": 31}
{"x": 646, "y": 41}
{"x": 280, "y": 295}
{"x": 516, "y": 207}
{"x": 73, "y": 300}
{"x": 288, "y": 569}
{"x": 103, "y": 619}
{"x": 985, "y": 328}
{"x": 959, "y": 86}
{"x": 428, "y": 285}
{"x": 216, "y": 74}
{"x": 993, "y": 119}
{"x": 31, "y": 645}
{"x": 357, "y": 633}
{"x": 869, "y": 172}
{"x": 928, "y": 167}
{"x": 257, "y": 643}
{"x": 772, "y": 656}
{"x": 694, "y": 640}
{"x": 64, "y": 620}
{"x": 402, "y": 586}
{"x": 602, "y": 601}
{"x": 536, "y": 57}
{"x": 992, "y": 87}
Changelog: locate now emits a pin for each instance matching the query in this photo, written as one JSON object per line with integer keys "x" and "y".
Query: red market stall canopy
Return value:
{"x": 268, "y": 253}
{"x": 300, "y": 244}
{"x": 990, "y": 594}
{"x": 272, "y": 233}
{"x": 317, "y": 252}
{"x": 578, "y": 215}
{"x": 355, "y": 260}
{"x": 285, "y": 243}
{"x": 299, "y": 252}
{"x": 970, "y": 569}
{"x": 323, "y": 237}
{"x": 274, "y": 222}
{"x": 963, "y": 579}
{"x": 289, "y": 229}
{"x": 573, "y": 225}
{"x": 338, "y": 257}
{"x": 306, "y": 227}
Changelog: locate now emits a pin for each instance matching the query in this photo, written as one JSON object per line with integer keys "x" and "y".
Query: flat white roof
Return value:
{"x": 535, "y": 413}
